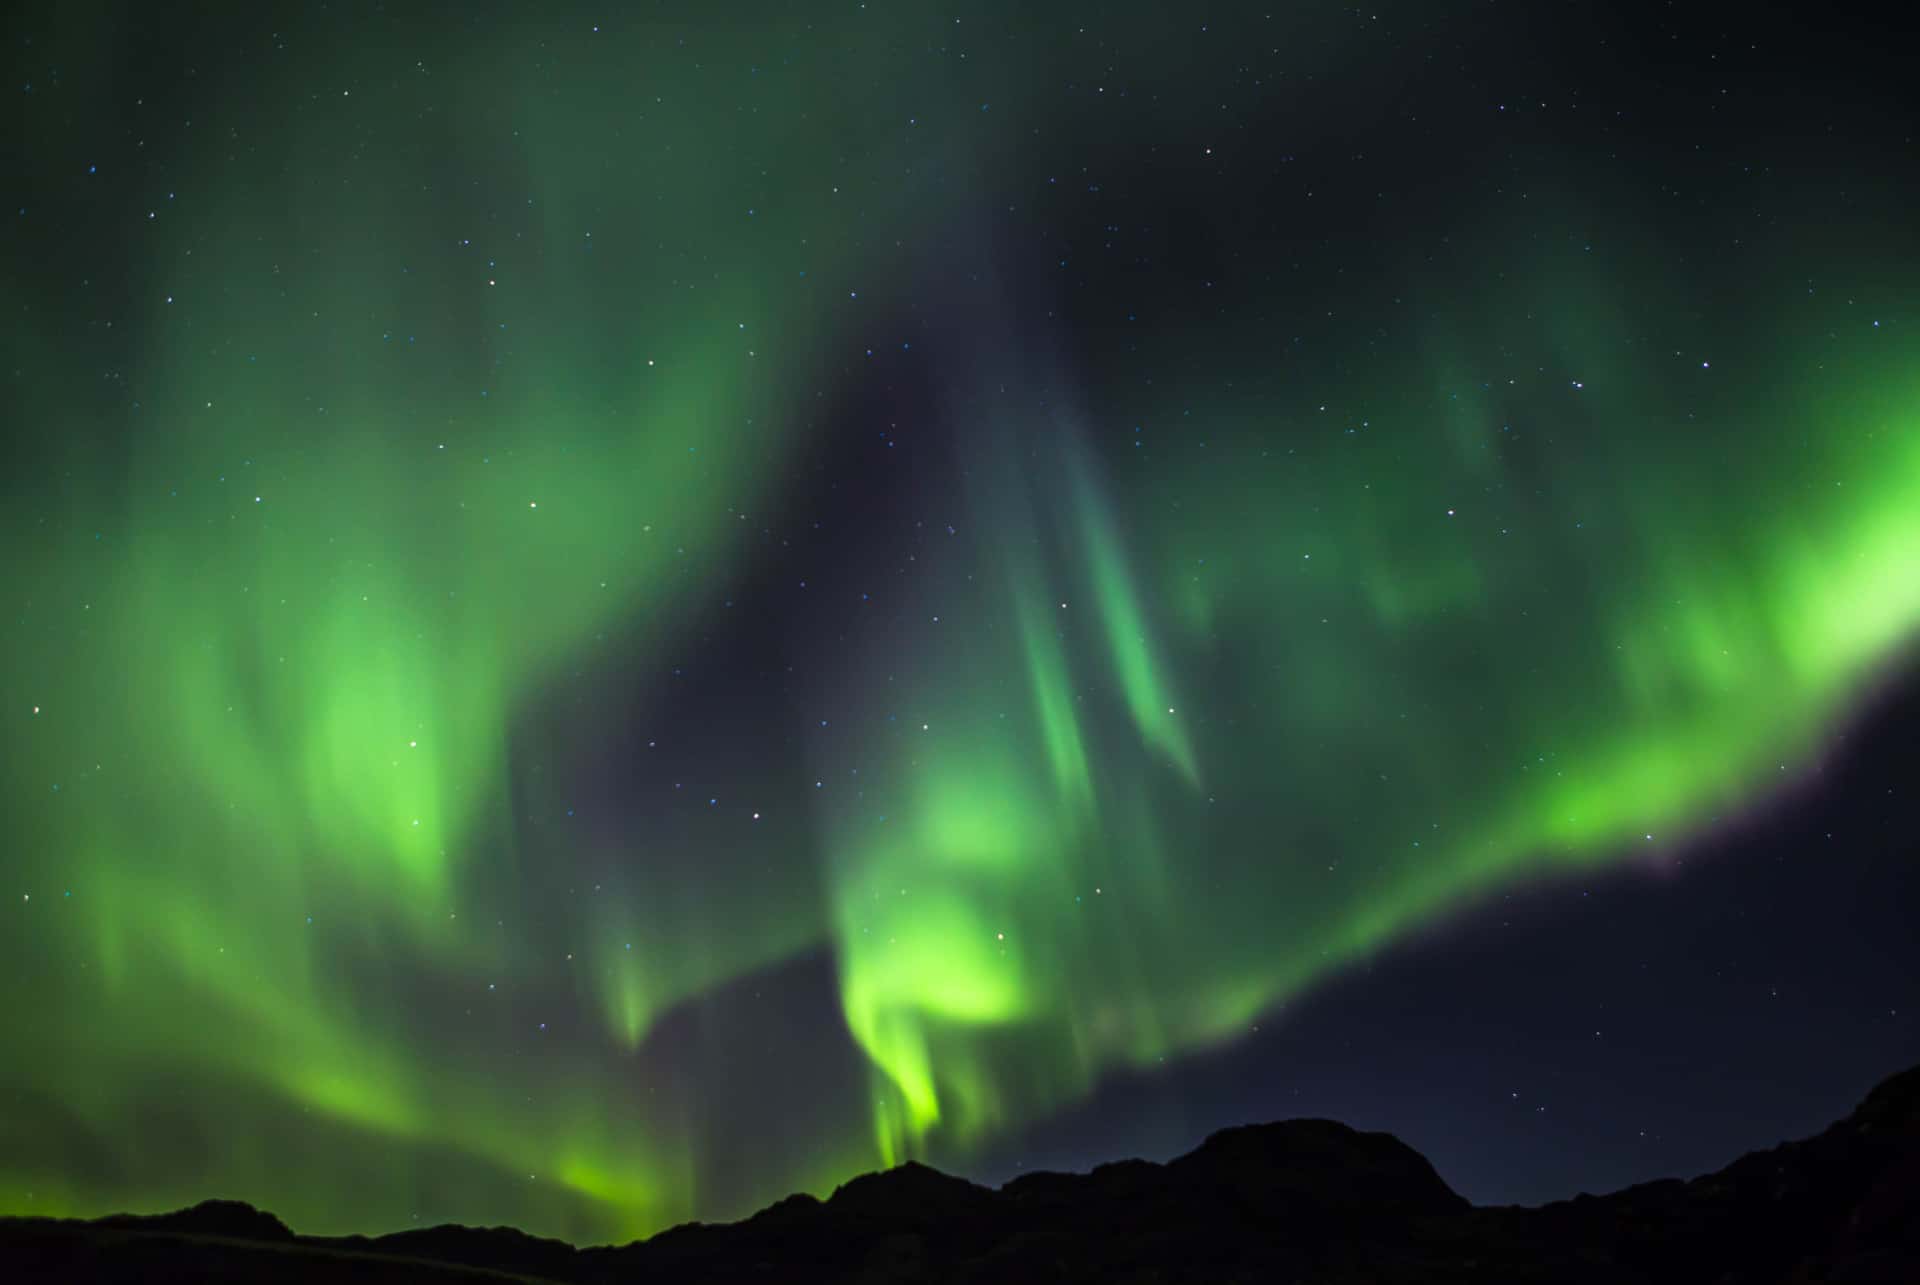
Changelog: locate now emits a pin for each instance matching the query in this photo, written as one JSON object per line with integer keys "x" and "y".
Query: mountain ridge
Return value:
{"x": 1290, "y": 1200}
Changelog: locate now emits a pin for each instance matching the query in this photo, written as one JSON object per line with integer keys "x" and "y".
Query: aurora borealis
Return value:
{"x": 614, "y": 613}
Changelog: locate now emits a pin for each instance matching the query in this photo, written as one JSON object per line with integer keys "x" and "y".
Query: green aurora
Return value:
{"x": 441, "y": 373}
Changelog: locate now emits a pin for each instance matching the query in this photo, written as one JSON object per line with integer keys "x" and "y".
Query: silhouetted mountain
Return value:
{"x": 1304, "y": 1200}
{"x": 234, "y": 1219}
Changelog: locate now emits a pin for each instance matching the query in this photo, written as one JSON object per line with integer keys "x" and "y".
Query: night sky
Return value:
{"x": 611, "y": 612}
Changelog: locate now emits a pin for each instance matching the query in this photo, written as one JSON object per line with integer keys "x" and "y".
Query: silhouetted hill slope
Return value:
{"x": 1303, "y": 1200}
{"x": 234, "y": 1219}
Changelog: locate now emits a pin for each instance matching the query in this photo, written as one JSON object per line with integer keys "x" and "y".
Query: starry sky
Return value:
{"x": 614, "y": 611}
